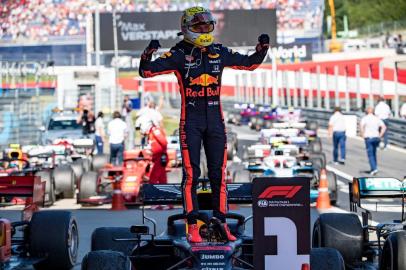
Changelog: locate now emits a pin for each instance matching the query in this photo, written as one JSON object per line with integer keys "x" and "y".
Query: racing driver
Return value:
{"x": 198, "y": 64}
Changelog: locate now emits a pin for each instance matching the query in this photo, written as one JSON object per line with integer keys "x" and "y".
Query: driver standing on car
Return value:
{"x": 198, "y": 64}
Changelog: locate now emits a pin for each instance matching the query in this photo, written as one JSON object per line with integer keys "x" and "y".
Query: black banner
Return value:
{"x": 234, "y": 28}
{"x": 281, "y": 209}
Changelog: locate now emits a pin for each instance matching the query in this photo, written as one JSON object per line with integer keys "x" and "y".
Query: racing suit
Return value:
{"x": 199, "y": 71}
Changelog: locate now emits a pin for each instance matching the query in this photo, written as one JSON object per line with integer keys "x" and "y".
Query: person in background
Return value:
{"x": 118, "y": 131}
{"x": 146, "y": 118}
{"x": 372, "y": 129}
{"x": 87, "y": 119}
{"x": 127, "y": 107}
{"x": 383, "y": 112}
{"x": 403, "y": 111}
{"x": 100, "y": 133}
{"x": 336, "y": 129}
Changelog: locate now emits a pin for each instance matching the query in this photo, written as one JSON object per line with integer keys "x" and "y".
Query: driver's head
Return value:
{"x": 197, "y": 25}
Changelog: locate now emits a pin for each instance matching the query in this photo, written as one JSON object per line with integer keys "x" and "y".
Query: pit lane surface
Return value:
{"x": 391, "y": 163}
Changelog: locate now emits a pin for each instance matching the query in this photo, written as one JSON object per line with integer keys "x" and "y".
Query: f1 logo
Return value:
{"x": 285, "y": 191}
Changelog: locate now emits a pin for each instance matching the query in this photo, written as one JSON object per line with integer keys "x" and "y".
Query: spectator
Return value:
{"x": 382, "y": 110}
{"x": 127, "y": 107}
{"x": 148, "y": 117}
{"x": 118, "y": 131}
{"x": 86, "y": 118}
{"x": 372, "y": 129}
{"x": 336, "y": 129}
{"x": 100, "y": 133}
{"x": 403, "y": 111}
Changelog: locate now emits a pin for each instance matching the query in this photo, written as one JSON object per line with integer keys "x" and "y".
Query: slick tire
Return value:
{"x": 64, "y": 179}
{"x": 50, "y": 196}
{"x": 105, "y": 260}
{"x": 342, "y": 232}
{"x": 326, "y": 258}
{"x": 78, "y": 170}
{"x": 332, "y": 187}
{"x": 393, "y": 252}
{"x": 54, "y": 235}
{"x": 99, "y": 161}
{"x": 103, "y": 239}
{"x": 87, "y": 185}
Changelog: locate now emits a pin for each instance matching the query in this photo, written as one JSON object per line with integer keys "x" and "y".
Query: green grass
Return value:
{"x": 170, "y": 124}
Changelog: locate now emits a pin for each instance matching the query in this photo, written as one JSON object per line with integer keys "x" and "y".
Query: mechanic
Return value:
{"x": 118, "y": 131}
{"x": 198, "y": 64}
{"x": 99, "y": 134}
{"x": 372, "y": 129}
{"x": 336, "y": 130}
{"x": 382, "y": 110}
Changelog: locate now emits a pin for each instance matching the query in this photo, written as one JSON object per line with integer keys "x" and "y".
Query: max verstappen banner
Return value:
{"x": 234, "y": 28}
{"x": 281, "y": 209}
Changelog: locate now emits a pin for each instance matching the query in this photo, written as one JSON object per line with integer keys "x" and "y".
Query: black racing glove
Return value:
{"x": 153, "y": 46}
{"x": 263, "y": 43}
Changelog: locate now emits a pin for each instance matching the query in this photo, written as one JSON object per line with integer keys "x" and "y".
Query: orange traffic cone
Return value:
{"x": 323, "y": 201}
{"x": 117, "y": 203}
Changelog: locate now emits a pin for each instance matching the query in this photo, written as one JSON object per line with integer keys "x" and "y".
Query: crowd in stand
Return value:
{"x": 40, "y": 19}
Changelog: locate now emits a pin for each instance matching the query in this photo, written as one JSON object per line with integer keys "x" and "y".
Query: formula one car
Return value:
{"x": 43, "y": 239}
{"x": 345, "y": 233}
{"x": 122, "y": 248}
{"x": 281, "y": 165}
{"x": 96, "y": 187}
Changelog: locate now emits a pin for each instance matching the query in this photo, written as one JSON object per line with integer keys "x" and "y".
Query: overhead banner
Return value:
{"x": 281, "y": 210}
{"x": 234, "y": 28}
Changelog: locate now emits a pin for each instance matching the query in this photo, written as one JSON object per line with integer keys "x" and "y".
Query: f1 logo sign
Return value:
{"x": 285, "y": 191}
{"x": 286, "y": 232}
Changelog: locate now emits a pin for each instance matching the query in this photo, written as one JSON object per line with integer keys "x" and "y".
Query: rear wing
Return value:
{"x": 23, "y": 186}
{"x": 238, "y": 193}
{"x": 374, "y": 187}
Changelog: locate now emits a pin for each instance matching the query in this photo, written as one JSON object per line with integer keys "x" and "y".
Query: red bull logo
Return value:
{"x": 204, "y": 80}
{"x": 201, "y": 93}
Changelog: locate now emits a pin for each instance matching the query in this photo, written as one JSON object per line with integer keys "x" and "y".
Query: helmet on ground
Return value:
{"x": 197, "y": 25}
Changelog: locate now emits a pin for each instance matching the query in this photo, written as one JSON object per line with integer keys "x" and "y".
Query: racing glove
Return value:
{"x": 263, "y": 43}
{"x": 153, "y": 46}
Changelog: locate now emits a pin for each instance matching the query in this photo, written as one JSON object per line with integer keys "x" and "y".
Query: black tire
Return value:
{"x": 342, "y": 232}
{"x": 332, "y": 187}
{"x": 50, "y": 196}
{"x": 99, "y": 161}
{"x": 230, "y": 151}
{"x": 326, "y": 258}
{"x": 54, "y": 235}
{"x": 77, "y": 168}
{"x": 322, "y": 156}
{"x": 87, "y": 185}
{"x": 393, "y": 252}
{"x": 105, "y": 260}
{"x": 86, "y": 164}
{"x": 64, "y": 179}
{"x": 103, "y": 239}
{"x": 317, "y": 163}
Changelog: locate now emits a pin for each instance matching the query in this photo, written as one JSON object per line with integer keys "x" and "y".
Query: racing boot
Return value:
{"x": 230, "y": 237}
{"x": 193, "y": 235}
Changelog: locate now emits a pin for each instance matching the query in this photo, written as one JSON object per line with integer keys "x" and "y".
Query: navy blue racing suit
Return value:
{"x": 199, "y": 71}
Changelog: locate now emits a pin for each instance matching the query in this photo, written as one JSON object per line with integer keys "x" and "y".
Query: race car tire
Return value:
{"x": 77, "y": 168}
{"x": 103, "y": 239}
{"x": 393, "y": 252}
{"x": 322, "y": 156}
{"x": 230, "y": 151}
{"x": 317, "y": 163}
{"x": 230, "y": 118}
{"x": 50, "y": 196}
{"x": 64, "y": 179}
{"x": 105, "y": 260}
{"x": 86, "y": 164}
{"x": 326, "y": 258}
{"x": 54, "y": 236}
{"x": 342, "y": 232}
{"x": 87, "y": 185}
{"x": 316, "y": 147}
{"x": 238, "y": 119}
{"x": 99, "y": 161}
{"x": 311, "y": 125}
{"x": 332, "y": 187}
